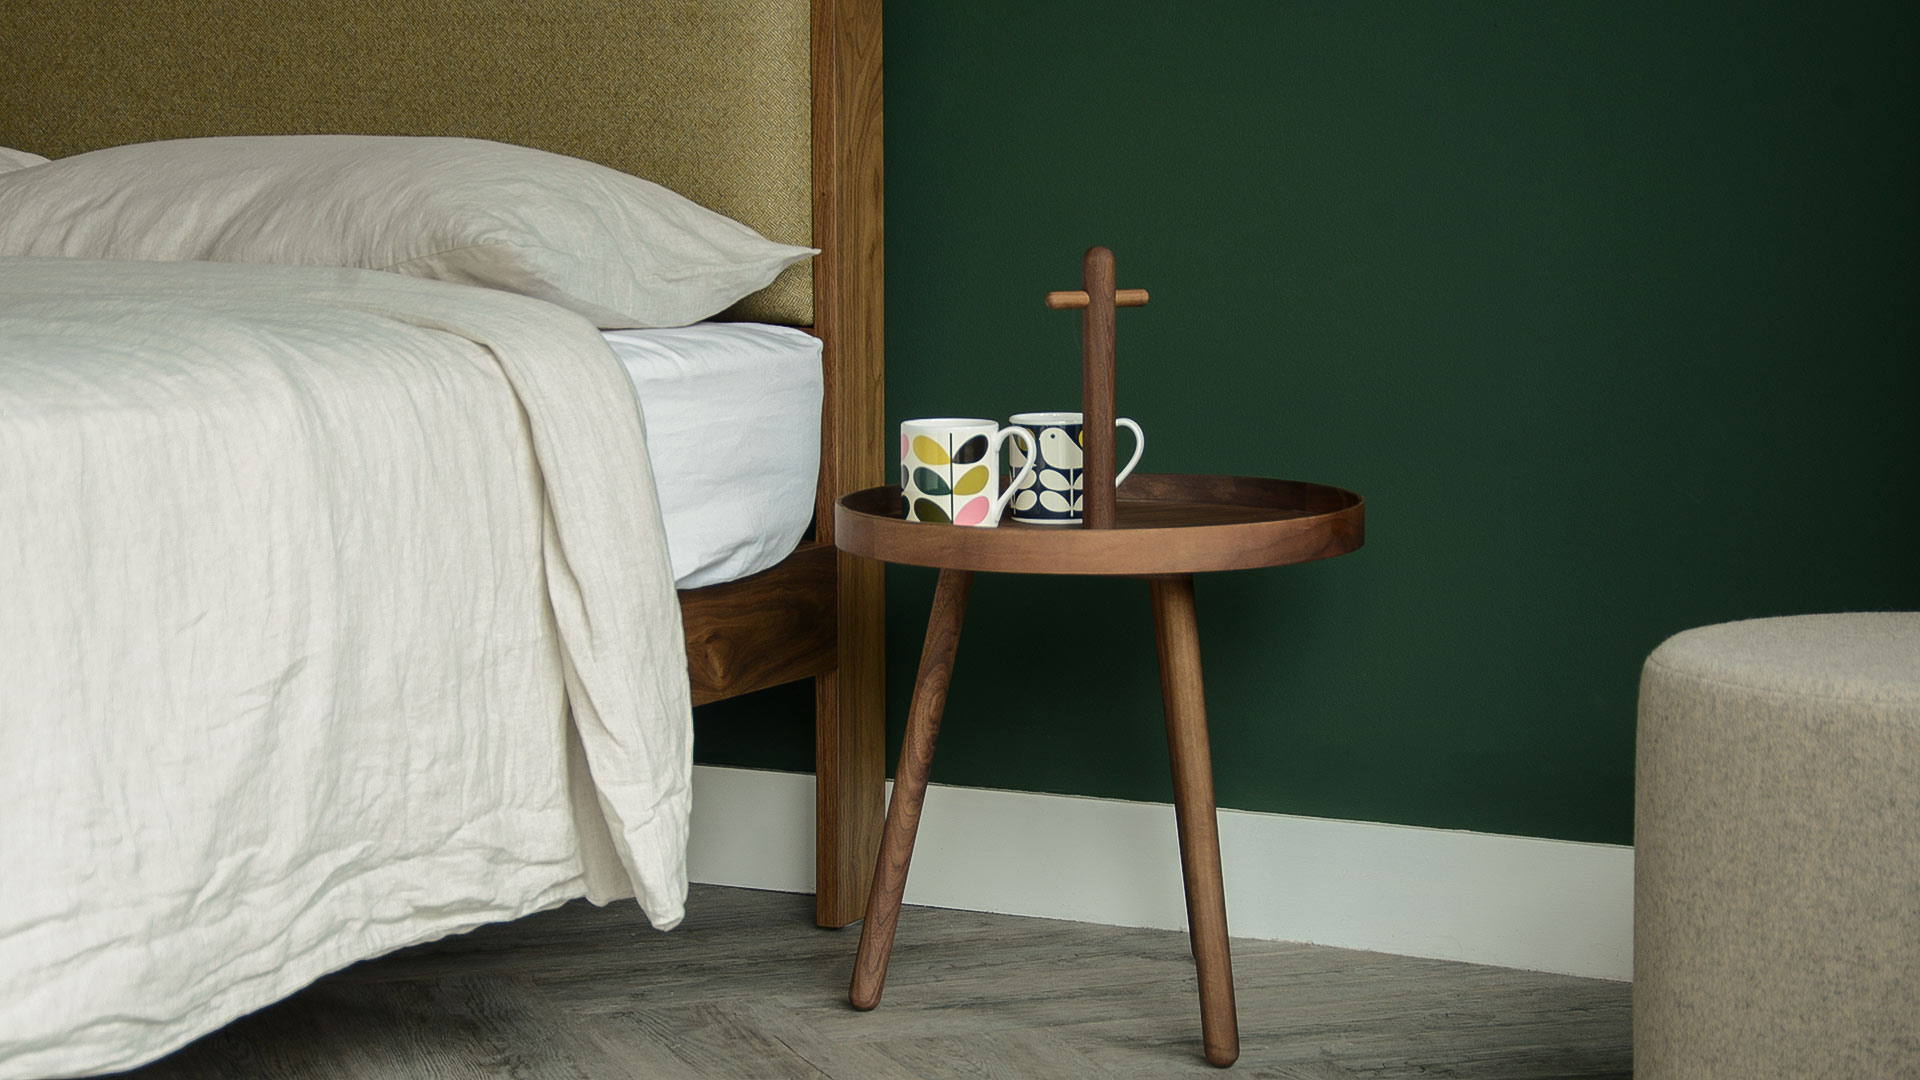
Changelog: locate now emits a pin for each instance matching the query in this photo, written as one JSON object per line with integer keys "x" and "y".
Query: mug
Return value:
{"x": 950, "y": 470}
{"x": 1057, "y": 493}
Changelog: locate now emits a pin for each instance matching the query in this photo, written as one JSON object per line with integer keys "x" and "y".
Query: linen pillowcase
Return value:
{"x": 620, "y": 250}
{"x": 11, "y": 159}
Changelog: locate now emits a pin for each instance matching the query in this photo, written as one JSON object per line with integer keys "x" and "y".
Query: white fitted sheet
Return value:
{"x": 733, "y": 425}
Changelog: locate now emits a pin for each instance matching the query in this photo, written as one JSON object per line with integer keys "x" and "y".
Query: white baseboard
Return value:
{"x": 1512, "y": 901}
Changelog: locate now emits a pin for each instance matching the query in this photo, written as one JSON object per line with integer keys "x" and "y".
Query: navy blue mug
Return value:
{"x": 1055, "y": 494}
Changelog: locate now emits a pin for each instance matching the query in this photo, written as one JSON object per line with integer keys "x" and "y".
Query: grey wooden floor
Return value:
{"x": 747, "y": 987}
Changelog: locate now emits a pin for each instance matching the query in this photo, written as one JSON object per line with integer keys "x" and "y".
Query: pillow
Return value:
{"x": 11, "y": 159}
{"x": 620, "y": 250}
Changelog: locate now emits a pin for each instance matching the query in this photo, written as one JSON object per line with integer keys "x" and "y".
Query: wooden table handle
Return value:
{"x": 1076, "y": 298}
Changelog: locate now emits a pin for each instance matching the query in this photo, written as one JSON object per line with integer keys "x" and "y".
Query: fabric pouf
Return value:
{"x": 1777, "y": 851}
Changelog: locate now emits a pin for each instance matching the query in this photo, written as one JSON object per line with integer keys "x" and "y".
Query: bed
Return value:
{"x": 768, "y": 112}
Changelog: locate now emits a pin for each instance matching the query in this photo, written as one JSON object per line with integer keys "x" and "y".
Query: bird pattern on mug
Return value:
{"x": 1059, "y": 482}
{"x": 936, "y": 485}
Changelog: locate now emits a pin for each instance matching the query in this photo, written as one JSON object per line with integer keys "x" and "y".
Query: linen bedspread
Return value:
{"x": 308, "y": 580}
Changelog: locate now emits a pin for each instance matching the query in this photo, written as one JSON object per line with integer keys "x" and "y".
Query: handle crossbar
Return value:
{"x": 1073, "y": 299}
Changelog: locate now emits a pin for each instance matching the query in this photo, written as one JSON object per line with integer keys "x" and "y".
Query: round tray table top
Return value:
{"x": 1164, "y": 524}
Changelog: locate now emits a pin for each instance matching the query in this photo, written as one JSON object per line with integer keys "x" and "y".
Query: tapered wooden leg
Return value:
{"x": 910, "y": 786}
{"x": 1177, "y": 629}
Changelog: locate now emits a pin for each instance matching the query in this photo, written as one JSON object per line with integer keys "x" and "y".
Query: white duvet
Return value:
{"x": 311, "y": 583}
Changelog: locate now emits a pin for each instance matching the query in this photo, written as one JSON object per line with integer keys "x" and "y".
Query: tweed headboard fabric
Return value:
{"x": 711, "y": 98}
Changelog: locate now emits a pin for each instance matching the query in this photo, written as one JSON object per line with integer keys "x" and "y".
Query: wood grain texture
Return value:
{"x": 1162, "y": 525}
{"x": 910, "y": 786}
{"x": 777, "y": 626}
{"x": 1099, "y": 381}
{"x": 747, "y": 987}
{"x": 849, "y": 296}
{"x": 1176, "y": 630}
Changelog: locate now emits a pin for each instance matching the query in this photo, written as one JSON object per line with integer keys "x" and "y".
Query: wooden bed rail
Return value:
{"x": 777, "y": 626}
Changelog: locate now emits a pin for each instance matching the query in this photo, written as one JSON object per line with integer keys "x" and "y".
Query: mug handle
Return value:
{"x": 1026, "y": 471}
{"x": 1139, "y": 447}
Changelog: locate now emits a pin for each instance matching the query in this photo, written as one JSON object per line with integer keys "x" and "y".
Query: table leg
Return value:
{"x": 1177, "y": 629}
{"x": 910, "y": 786}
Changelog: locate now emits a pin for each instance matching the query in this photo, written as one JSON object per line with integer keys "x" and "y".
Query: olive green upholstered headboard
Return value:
{"x": 710, "y": 97}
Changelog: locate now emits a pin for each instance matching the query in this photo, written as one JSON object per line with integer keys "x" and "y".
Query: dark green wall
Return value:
{"x": 1609, "y": 310}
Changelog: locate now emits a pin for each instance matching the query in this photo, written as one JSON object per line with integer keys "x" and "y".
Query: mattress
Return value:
{"x": 733, "y": 423}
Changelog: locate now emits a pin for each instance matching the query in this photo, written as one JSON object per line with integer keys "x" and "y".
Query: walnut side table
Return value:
{"x": 1165, "y": 529}
{"x": 1162, "y": 528}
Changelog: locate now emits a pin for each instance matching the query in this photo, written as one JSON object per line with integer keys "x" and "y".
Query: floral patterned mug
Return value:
{"x": 950, "y": 470}
{"x": 1057, "y": 493}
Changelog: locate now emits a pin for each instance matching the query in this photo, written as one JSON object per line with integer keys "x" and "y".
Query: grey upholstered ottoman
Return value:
{"x": 1777, "y": 851}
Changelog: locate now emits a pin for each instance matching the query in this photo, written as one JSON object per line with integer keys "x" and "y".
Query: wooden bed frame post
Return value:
{"x": 848, "y": 277}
